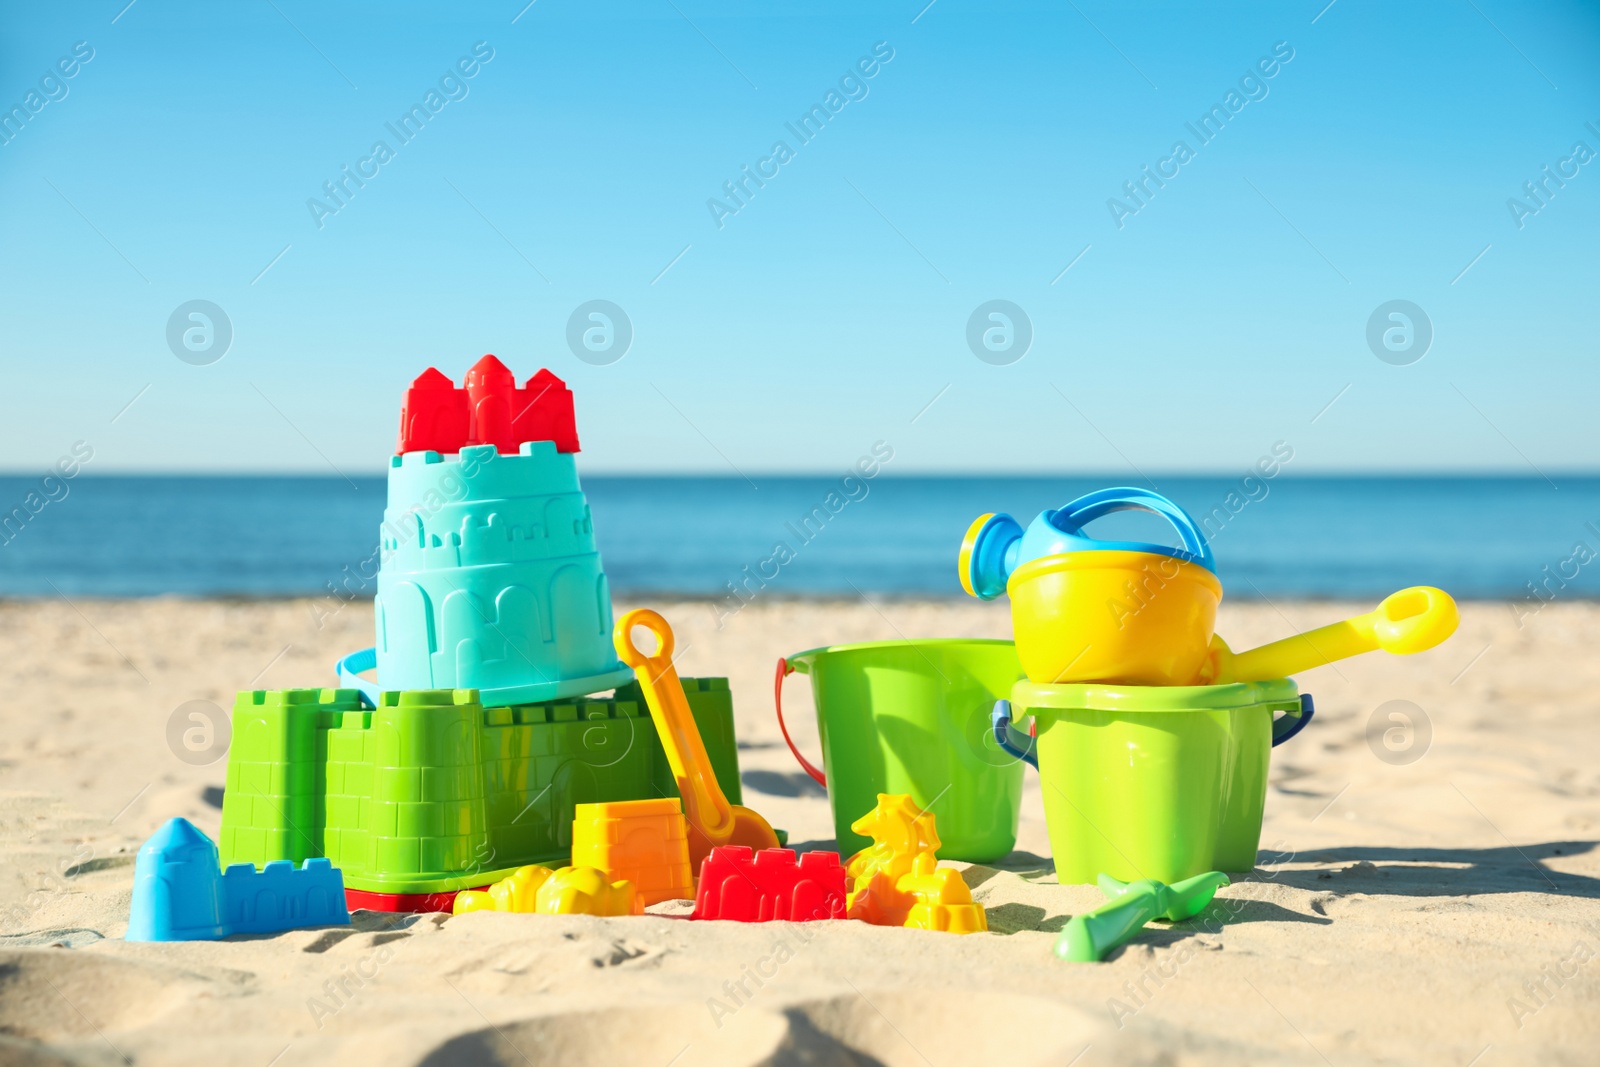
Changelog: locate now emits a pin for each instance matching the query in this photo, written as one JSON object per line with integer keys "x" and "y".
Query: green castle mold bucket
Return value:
{"x": 1161, "y": 782}
{"x": 913, "y": 717}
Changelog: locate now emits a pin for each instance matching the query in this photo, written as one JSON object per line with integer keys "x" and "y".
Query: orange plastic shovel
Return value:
{"x": 1412, "y": 620}
{"x": 712, "y": 820}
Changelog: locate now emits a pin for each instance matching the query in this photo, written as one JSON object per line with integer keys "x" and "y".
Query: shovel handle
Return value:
{"x": 1093, "y": 935}
{"x": 628, "y": 649}
{"x": 705, "y": 805}
{"x": 1089, "y": 937}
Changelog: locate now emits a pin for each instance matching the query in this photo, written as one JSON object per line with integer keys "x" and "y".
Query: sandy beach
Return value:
{"x": 1435, "y": 904}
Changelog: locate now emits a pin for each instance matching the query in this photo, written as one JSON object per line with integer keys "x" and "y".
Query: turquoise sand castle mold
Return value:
{"x": 491, "y": 579}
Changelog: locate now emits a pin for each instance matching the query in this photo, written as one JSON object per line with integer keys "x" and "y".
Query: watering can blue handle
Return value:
{"x": 1292, "y": 722}
{"x": 1074, "y": 516}
{"x": 1010, "y": 739}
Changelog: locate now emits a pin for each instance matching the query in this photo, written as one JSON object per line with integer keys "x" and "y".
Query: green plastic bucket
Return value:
{"x": 913, "y": 717}
{"x": 1162, "y": 782}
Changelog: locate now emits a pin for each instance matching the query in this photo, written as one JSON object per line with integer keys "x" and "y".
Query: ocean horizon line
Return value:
{"x": 1277, "y": 533}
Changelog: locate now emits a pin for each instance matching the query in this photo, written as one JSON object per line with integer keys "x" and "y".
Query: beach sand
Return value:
{"x": 1443, "y": 909}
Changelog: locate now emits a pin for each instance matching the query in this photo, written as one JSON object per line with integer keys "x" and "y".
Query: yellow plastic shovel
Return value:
{"x": 1412, "y": 620}
{"x": 712, "y": 820}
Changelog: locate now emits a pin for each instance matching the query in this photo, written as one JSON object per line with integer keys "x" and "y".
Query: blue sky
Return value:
{"x": 831, "y": 311}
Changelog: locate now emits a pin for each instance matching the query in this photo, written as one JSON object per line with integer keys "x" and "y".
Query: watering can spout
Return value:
{"x": 989, "y": 554}
{"x": 1410, "y": 621}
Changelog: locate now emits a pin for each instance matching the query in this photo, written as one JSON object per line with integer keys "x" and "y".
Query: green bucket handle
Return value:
{"x": 1021, "y": 745}
{"x": 784, "y": 670}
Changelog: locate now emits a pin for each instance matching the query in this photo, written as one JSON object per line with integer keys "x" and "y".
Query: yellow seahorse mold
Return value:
{"x": 541, "y": 891}
{"x": 896, "y": 880}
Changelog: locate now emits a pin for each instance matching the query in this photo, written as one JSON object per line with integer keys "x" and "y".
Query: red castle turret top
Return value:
{"x": 489, "y": 410}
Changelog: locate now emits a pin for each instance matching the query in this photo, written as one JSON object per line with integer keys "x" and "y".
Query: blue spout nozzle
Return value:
{"x": 988, "y": 554}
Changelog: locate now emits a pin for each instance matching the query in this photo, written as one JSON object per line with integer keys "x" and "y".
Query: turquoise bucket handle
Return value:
{"x": 1012, "y": 740}
{"x": 349, "y": 669}
{"x": 1292, "y": 722}
{"x": 1071, "y": 519}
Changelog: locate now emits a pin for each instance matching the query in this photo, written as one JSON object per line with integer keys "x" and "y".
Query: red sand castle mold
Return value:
{"x": 759, "y": 887}
{"x": 488, "y": 410}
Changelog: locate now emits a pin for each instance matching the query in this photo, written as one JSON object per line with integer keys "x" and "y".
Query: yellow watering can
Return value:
{"x": 1133, "y": 613}
{"x": 1089, "y": 610}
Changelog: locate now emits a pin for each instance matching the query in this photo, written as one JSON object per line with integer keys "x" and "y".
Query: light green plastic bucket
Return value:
{"x": 1162, "y": 782}
{"x": 913, "y": 717}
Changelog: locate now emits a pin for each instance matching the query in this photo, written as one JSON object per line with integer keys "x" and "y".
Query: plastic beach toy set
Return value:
{"x": 507, "y": 745}
{"x": 1151, "y": 737}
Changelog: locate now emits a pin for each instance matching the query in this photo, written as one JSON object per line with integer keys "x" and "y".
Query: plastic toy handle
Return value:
{"x": 1089, "y": 937}
{"x": 634, "y": 656}
{"x": 704, "y": 804}
{"x": 1293, "y": 722}
{"x": 349, "y": 670}
{"x": 1410, "y": 621}
{"x": 784, "y": 670}
{"x": 1010, "y": 739}
{"x": 1074, "y": 516}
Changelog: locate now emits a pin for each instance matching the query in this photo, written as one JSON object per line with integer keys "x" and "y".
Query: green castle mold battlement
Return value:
{"x": 430, "y": 791}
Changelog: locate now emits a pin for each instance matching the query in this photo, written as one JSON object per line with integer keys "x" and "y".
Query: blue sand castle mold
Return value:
{"x": 491, "y": 579}
{"x": 179, "y": 894}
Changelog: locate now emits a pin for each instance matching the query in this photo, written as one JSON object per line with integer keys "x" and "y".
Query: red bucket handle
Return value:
{"x": 777, "y": 698}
